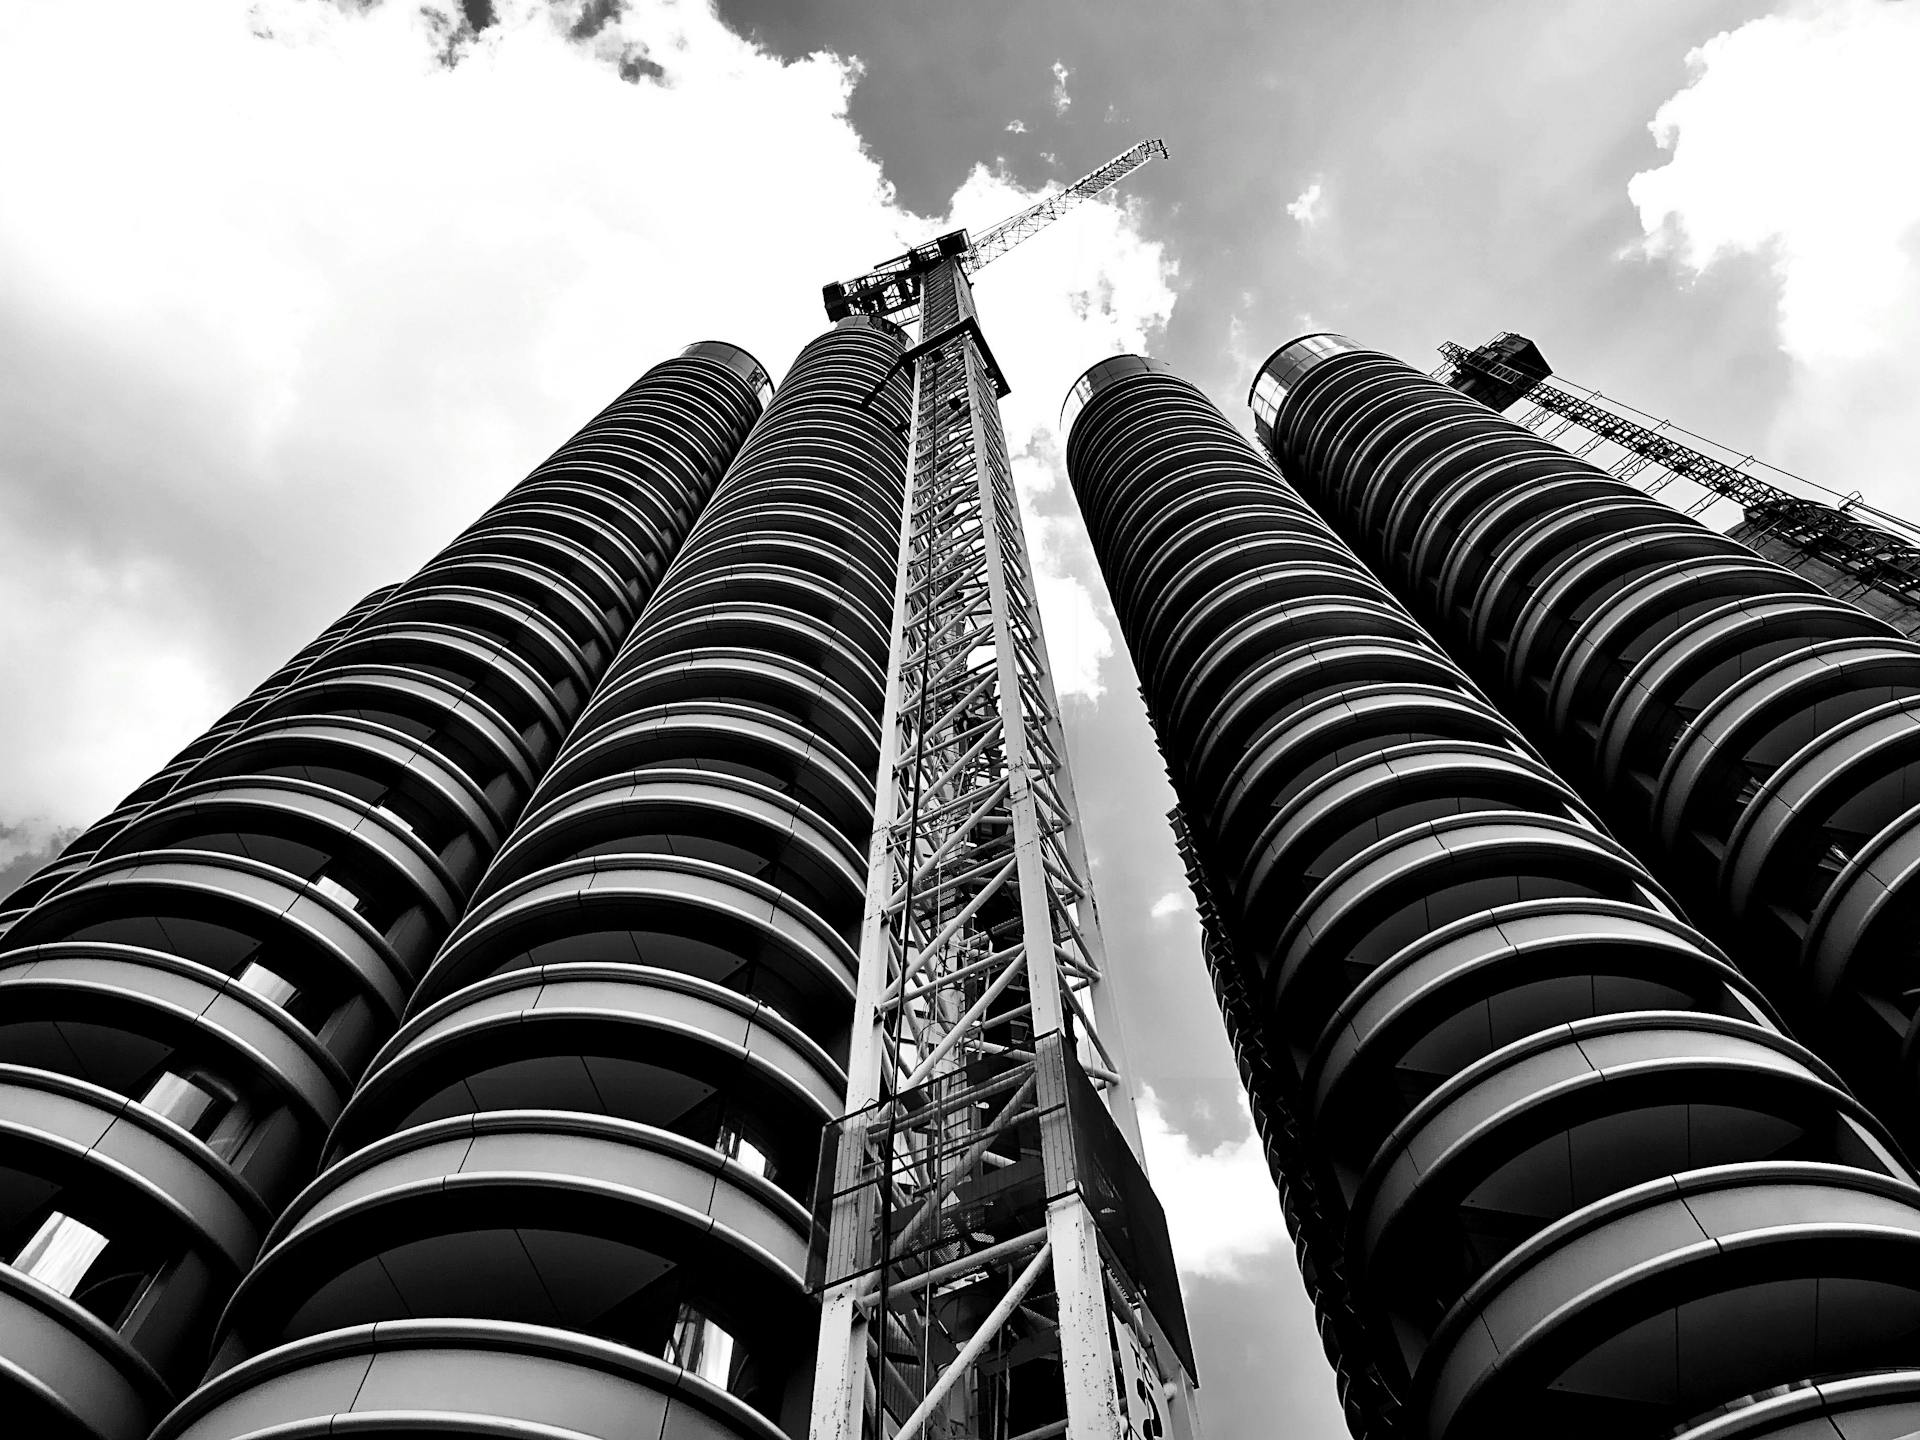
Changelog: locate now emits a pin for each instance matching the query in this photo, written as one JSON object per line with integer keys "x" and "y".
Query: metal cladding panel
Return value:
{"x": 1756, "y": 738}
{"x": 451, "y": 1377}
{"x": 223, "y": 953}
{"x": 1479, "y": 1041}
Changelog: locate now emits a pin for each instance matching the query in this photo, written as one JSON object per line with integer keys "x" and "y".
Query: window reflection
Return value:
{"x": 268, "y": 984}
{"x": 703, "y": 1347}
{"x": 61, "y": 1252}
{"x": 201, "y": 1106}
{"x": 179, "y": 1099}
{"x": 1099, "y": 377}
{"x": 736, "y": 360}
{"x": 1284, "y": 371}
{"x": 733, "y": 1143}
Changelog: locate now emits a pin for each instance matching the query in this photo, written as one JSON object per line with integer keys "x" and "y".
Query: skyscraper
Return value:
{"x": 585, "y": 1156}
{"x": 199, "y": 981}
{"x": 1553, "y": 1161}
{"x": 1753, "y": 737}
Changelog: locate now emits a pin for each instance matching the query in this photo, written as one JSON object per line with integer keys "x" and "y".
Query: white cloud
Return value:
{"x": 284, "y": 300}
{"x": 1221, "y": 1204}
{"x": 1016, "y": 127}
{"x": 1308, "y": 208}
{"x": 1085, "y": 289}
{"x": 1174, "y": 902}
{"x": 1794, "y": 142}
{"x": 1061, "y": 100}
{"x": 1241, "y": 348}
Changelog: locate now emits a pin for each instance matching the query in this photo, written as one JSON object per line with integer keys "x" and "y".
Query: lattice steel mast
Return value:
{"x": 991, "y": 1258}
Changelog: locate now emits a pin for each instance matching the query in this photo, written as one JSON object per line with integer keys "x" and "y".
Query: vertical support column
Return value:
{"x": 980, "y": 1003}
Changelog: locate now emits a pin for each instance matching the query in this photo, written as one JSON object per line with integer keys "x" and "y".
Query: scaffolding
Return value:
{"x": 1851, "y": 549}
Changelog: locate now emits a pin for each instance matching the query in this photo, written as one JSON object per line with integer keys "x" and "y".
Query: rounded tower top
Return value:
{"x": 1099, "y": 376}
{"x": 736, "y": 359}
{"x": 1284, "y": 370}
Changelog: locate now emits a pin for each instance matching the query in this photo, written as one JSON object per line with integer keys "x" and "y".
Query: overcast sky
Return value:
{"x": 290, "y": 289}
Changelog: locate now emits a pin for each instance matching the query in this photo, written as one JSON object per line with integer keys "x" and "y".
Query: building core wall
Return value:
{"x": 1553, "y": 1165}
{"x": 570, "y": 1191}
{"x": 186, "y": 1003}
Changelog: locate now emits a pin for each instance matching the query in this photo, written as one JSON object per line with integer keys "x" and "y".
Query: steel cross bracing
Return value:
{"x": 1876, "y": 558}
{"x": 964, "y": 1288}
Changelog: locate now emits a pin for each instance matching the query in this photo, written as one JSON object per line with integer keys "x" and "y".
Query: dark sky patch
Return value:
{"x": 1473, "y": 159}
{"x": 637, "y": 68}
{"x": 27, "y": 861}
{"x": 595, "y": 16}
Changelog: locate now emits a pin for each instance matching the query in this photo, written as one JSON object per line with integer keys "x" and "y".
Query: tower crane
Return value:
{"x": 893, "y": 287}
{"x": 989, "y": 1256}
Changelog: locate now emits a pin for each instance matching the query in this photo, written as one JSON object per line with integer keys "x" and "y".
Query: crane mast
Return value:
{"x": 991, "y": 1260}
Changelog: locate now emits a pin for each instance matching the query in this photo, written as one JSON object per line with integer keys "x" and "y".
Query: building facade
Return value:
{"x": 189, "y": 994}
{"x": 569, "y": 1191}
{"x": 1553, "y": 1160}
{"x": 1752, "y": 736}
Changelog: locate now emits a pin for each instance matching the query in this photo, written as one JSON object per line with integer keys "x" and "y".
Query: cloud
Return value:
{"x": 1221, "y": 1206}
{"x": 1016, "y": 127}
{"x": 1174, "y": 902}
{"x": 1308, "y": 207}
{"x": 1061, "y": 100}
{"x": 289, "y": 291}
{"x": 1090, "y": 286}
{"x": 1792, "y": 142}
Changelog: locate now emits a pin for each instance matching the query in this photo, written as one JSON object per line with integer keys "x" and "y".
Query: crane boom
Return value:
{"x": 995, "y": 242}
{"x": 893, "y": 287}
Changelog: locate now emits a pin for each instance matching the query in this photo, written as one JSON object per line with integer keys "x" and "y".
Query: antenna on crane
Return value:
{"x": 988, "y": 1251}
{"x": 893, "y": 286}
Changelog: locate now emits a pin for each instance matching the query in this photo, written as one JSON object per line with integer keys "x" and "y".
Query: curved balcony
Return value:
{"x": 601, "y": 1118}
{"x": 75, "y": 854}
{"x": 449, "y": 1377}
{"x": 643, "y": 1044}
{"x": 1679, "y": 1296}
{"x": 239, "y": 937}
{"x": 1857, "y": 1405}
{"x": 1474, "y": 1026}
{"x": 1752, "y": 731}
{"x": 583, "y": 1223}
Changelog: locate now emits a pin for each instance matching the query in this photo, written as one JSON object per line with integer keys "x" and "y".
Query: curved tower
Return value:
{"x": 569, "y": 1196}
{"x": 184, "y": 1011}
{"x": 1757, "y": 739}
{"x": 1553, "y": 1165}
{"x": 77, "y": 851}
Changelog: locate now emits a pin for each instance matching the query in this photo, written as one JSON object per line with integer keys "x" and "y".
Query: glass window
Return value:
{"x": 334, "y": 890}
{"x": 733, "y": 1143}
{"x": 1106, "y": 373}
{"x": 1283, "y": 372}
{"x": 268, "y": 984}
{"x": 194, "y": 1107}
{"x": 701, "y": 1346}
{"x": 736, "y": 360}
{"x": 61, "y": 1252}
